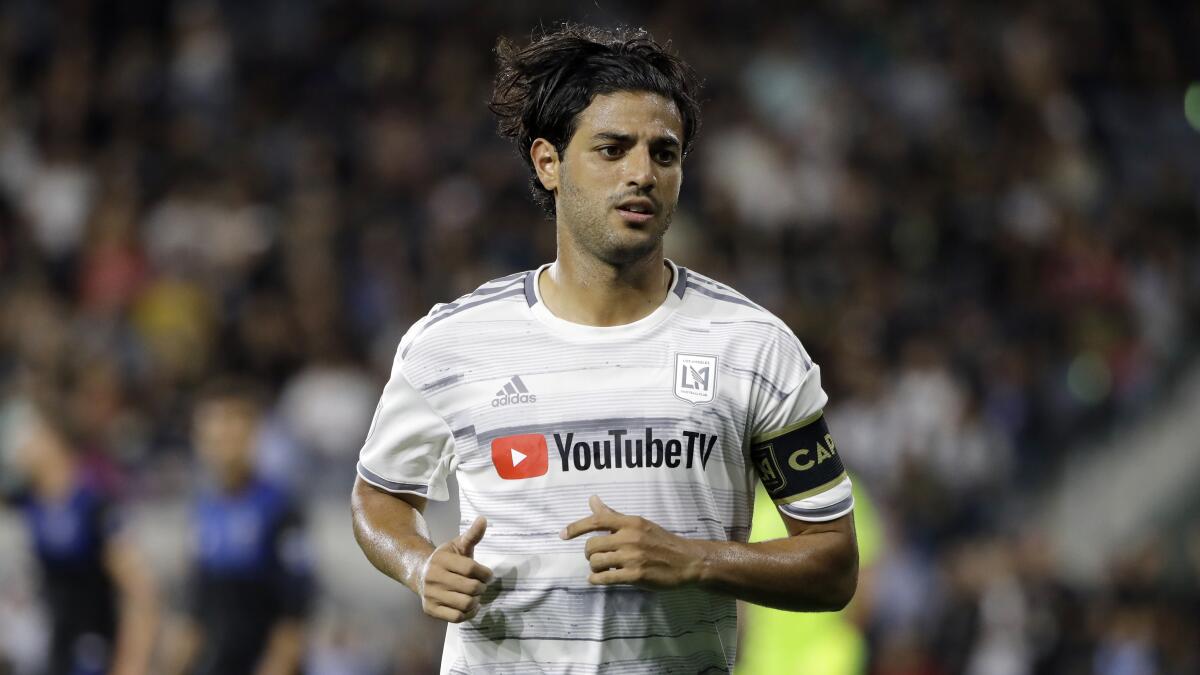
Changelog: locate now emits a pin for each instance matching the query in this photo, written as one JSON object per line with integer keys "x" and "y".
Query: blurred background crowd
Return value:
{"x": 980, "y": 219}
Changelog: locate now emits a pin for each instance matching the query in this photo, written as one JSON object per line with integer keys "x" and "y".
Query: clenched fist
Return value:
{"x": 452, "y": 581}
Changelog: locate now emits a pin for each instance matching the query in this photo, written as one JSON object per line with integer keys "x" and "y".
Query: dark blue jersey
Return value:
{"x": 251, "y": 571}
{"x": 69, "y": 538}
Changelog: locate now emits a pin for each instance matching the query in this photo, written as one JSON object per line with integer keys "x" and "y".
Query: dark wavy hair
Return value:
{"x": 542, "y": 87}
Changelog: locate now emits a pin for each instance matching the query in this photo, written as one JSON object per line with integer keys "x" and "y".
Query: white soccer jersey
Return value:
{"x": 672, "y": 417}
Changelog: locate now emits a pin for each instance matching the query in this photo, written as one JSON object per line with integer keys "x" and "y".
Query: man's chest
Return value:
{"x": 577, "y": 410}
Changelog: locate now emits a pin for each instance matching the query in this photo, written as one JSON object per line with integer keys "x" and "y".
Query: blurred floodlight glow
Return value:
{"x": 1191, "y": 105}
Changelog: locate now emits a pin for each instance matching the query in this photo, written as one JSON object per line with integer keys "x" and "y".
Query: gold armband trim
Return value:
{"x": 788, "y": 429}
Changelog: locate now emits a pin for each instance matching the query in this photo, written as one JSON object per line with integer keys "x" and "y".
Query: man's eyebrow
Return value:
{"x": 613, "y": 136}
{"x": 628, "y": 138}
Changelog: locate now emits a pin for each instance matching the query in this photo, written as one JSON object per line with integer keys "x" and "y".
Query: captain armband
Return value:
{"x": 797, "y": 462}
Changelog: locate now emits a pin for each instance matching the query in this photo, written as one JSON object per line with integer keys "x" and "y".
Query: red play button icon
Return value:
{"x": 521, "y": 456}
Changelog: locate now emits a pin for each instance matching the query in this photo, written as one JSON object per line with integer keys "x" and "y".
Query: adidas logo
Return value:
{"x": 514, "y": 392}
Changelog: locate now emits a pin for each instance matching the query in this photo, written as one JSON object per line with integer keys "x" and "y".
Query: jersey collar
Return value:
{"x": 543, "y": 314}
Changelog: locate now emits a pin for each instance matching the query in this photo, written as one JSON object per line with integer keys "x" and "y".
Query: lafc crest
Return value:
{"x": 695, "y": 377}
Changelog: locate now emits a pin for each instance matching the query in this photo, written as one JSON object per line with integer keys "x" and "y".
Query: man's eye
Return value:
{"x": 665, "y": 156}
{"x": 610, "y": 151}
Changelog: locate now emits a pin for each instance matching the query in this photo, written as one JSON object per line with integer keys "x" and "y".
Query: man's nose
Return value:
{"x": 640, "y": 170}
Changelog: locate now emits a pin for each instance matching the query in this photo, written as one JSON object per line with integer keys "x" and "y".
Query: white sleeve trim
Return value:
{"x": 391, "y": 486}
{"x": 831, "y": 504}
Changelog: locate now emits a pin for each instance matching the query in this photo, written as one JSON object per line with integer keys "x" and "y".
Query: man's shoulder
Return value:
{"x": 722, "y": 304}
{"x": 739, "y": 320}
{"x": 492, "y": 300}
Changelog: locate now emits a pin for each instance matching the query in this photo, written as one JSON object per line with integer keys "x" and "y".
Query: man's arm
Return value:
{"x": 392, "y": 533}
{"x": 181, "y": 645}
{"x": 814, "y": 569}
{"x": 139, "y": 606}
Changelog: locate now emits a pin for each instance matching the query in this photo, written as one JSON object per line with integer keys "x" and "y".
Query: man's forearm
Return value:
{"x": 815, "y": 568}
{"x": 285, "y": 649}
{"x": 814, "y": 572}
{"x": 135, "y": 641}
{"x": 139, "y": 608}
{"x": 181, "y": 647}
{"x": 392, "y": 533}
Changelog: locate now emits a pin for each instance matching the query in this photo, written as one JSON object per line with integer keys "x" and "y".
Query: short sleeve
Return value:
{"x": 409, "y": 447}
{"x": 791, "y": 447}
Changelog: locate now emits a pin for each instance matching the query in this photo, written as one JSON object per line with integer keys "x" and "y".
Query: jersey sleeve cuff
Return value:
{"x": 829, "y": 504}
{"x": 396, "y": 487}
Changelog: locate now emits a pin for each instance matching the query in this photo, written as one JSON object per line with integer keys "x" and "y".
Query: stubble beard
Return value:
{"x": 587, "y": 220}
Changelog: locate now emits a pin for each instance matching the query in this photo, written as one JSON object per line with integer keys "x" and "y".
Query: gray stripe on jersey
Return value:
{"x": 704, "y": 290}
{"x": 789, "y": 337}
{"x": 681, "y": 282}
{"x": 744, "y": 321}
{"x": 759, "y": 377}
{"x": 724, "y": 288}
{"x": 515, "y": 291}
{"x": 533, "y": 542}
{"x": 482, "y": 290}
{"x": 530, "y": 292}
{"x": 579, "y": 426}
{"x": 600, "y": 638}
{"x": 700, "y": 663}
{"x": 443, "y": 310}
{"x": 528, "y": 523}
{"x": 507, "y": 277}
{"x": 523, "y": 352}
{"x": 390, "y": 485}
{"x": 441, "y": 384}
{"x": 570, "y": 609}
{"x": 716, "y": 285}
{"x": 789, "y": 341}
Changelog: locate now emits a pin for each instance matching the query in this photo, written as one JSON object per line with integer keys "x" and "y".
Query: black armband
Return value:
{"x": 798, "y": 461}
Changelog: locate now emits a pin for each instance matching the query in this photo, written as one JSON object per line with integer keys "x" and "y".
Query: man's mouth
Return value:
{"x": 636, "y": 210}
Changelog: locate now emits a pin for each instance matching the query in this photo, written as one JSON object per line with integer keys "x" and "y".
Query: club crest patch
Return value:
{"x": 695, "y": 378}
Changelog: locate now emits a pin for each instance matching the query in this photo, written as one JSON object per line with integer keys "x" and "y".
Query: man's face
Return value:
{"x": 619, "y": 177}
{"x": 225, "y": 431}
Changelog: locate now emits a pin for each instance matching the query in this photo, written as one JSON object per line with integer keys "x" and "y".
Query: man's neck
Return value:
{"x": 584, "y": 290}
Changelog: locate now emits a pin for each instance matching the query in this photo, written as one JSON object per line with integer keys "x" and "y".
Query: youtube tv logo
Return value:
{"x": 520, "y": 456}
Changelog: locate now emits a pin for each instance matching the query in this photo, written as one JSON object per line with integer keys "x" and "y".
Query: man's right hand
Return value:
{"x": 452, "y": 581}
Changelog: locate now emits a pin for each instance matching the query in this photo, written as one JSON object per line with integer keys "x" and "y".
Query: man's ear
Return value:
{"x": 545, "y": 163}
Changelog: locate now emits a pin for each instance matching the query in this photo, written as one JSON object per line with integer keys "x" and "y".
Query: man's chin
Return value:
{"x": 625, "y": 249}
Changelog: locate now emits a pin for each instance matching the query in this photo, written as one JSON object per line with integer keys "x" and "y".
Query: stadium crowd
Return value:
{"x": 981, "y": 221}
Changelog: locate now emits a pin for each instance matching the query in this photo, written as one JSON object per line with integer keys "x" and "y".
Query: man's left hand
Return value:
{"x": 637, "y": 551}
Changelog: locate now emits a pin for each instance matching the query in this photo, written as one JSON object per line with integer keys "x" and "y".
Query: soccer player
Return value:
{"x": 100, "y": 595}
{"x": 606, "y": 415}
{"x": 251, "y": 580}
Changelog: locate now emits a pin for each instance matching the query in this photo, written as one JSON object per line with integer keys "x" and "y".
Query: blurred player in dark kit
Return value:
{"x": 99, "y": 593}
{"x": 250, "y": 582}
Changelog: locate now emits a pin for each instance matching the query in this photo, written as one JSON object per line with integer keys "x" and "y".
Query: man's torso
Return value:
{"x": 653, "y": 417}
